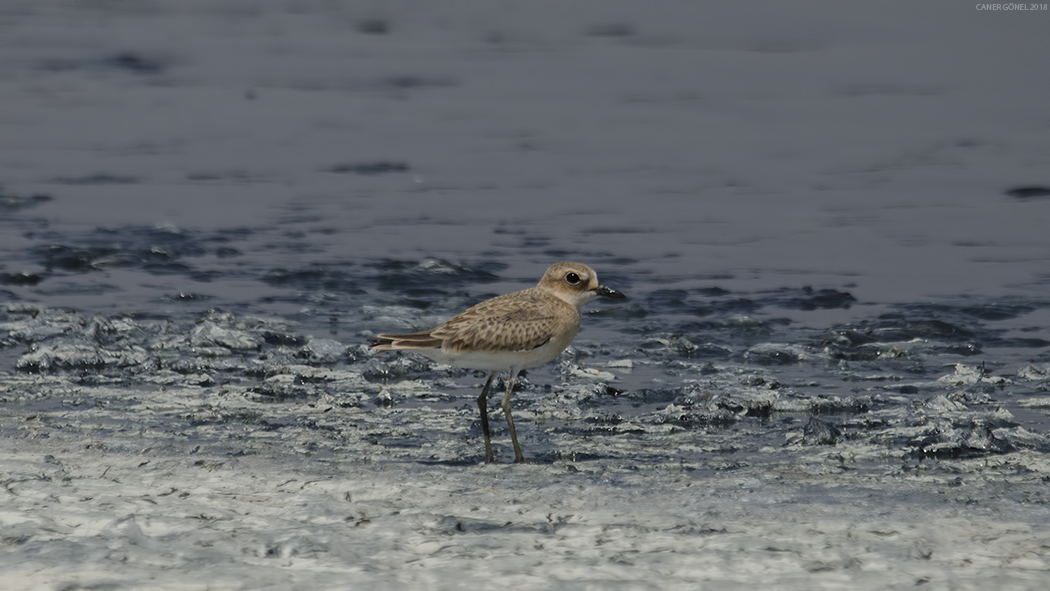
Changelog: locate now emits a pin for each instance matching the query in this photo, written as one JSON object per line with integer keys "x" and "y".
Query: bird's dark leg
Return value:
{"x": 518, "y": 458}
{"x": 483, "y": 406}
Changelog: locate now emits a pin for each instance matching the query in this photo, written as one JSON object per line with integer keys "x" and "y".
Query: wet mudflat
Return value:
{"x": 832, "y": 370}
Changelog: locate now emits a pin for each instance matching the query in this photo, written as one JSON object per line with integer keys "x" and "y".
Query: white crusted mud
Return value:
{"x": 236, "y": 457}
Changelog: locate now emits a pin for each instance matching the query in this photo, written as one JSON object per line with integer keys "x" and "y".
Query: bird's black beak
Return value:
{"x": 608, "y": 293}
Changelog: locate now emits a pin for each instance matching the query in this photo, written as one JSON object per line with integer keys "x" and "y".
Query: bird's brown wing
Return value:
{"x": 519, "y": 321}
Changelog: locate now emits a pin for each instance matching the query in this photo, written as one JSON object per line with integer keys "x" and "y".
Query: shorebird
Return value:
{"x": 509, "y": 333}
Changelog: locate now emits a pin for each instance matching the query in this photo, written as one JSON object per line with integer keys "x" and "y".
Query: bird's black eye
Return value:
{"x": 572, "y": 278}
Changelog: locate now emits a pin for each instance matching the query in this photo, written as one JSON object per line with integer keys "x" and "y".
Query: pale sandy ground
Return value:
{"x": 114, "y": 520}
{"x": 120, "y": 497}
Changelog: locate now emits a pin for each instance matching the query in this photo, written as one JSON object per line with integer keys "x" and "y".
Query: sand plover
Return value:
{"x": 509, "y": 333}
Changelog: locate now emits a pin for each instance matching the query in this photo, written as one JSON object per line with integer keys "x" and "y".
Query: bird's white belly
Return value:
{"x": 499, "y": 360}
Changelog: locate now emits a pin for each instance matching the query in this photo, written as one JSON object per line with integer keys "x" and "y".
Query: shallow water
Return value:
{"x": 837, "y": 307}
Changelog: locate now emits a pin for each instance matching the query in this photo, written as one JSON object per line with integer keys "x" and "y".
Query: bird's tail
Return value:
{"x": 416, "y": 340}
